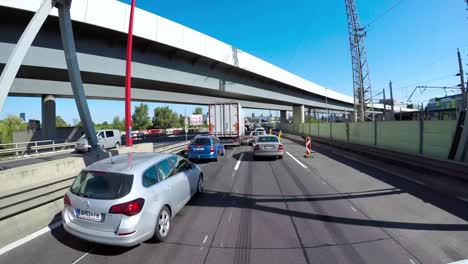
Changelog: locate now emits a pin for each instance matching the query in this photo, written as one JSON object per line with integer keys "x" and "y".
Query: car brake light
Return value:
{"x": 257, "y": 147}
{"x": 280, "y": 147}
{"x": 211, "y": 148}
{"x": 66, "y": 200}
{"x": 130, "y": 208}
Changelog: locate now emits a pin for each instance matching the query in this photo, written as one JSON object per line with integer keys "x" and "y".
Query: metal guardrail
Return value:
{"x": 34, "y": 146}
{"x": 173, "y": 148}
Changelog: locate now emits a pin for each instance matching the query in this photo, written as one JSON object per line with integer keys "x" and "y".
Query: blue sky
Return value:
{"x": 414, "y": 44}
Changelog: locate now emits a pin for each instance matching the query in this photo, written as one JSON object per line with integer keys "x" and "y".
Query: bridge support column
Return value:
{"x": 298, "y": 114}
{"x": 283, "y": 116}
{"x": 48, "y": 126}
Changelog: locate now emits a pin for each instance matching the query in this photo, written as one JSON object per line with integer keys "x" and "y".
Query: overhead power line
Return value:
{"x": 383, "y": 14}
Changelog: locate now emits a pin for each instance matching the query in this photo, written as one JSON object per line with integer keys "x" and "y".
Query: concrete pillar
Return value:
{"x": 48, "y": 125}
{"x": 283, "y": 116}
{"x": 298, "y": 114}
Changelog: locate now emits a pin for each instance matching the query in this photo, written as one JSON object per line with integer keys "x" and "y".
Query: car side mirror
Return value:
{"x": 188, "y": 165}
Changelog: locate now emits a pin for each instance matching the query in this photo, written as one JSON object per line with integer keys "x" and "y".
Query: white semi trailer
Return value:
{"x": 226, "y": 121}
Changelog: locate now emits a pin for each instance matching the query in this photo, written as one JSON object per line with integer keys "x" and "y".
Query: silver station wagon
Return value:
{"x": 130, "y": 198}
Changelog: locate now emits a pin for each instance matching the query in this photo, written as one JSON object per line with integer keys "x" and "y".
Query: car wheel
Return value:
{"x": 163, "y": 225}
{"x": 280, "y": 157}
{"x": 117, "y": 145}
{"x": 200, "y": 186}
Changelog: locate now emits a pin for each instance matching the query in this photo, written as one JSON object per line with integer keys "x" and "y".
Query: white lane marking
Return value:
{"x": 412, "y": 261}
{"x": 222, "y": 244}
{"x": 86, "y": 254}
{"x": 206, "y": 238}
{"x": 298, "y": 162}
{"x": 324, "y": 182}
{"x": 29, "y": 237}
{"x": 229, "y": 218}
{"x": 239, "y": 162}
{"x": 233, "y": 173}
{"x": 354, "y": 209}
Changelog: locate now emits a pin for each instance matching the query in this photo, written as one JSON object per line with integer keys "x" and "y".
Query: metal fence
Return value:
{"x": 20, "y": 148}
{"x": 431, "y": 138}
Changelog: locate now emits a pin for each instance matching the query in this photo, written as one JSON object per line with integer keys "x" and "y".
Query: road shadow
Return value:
{"x": 233, "y": 200}
{"x": 81, "y": 245}
{"x": 438, "y": 199}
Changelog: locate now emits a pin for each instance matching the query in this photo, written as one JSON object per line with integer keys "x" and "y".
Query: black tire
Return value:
{"x": 163, "y": 216}
{"x": 280, "y": 157}
{"x": 200, "y": 184}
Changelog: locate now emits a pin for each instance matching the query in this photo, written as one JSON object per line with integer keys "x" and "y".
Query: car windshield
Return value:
{"x": 102, "y": 185}
{"x": 267, "y": 139}
{"x": 201, "y": 141}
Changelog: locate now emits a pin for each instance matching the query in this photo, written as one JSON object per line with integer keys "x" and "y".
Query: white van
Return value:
{"x": 108, "y": 138}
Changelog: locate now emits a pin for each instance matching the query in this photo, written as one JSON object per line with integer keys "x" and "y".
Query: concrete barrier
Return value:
{"x": 29, "y": 175}
{"x": 143, "y": 147}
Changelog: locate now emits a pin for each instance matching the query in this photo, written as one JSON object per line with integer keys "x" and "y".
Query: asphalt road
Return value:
{"x": 327, "y": 209}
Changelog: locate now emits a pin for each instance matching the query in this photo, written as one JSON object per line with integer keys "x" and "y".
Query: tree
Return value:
{"x": 118, "y": 124}
{"x": 103, "y": 125}
{"x": 198, "y": 111}
{"x": 59, "y": 122}
{"x": 140, "y": 117}
{"x": 181, "y": 120}
{"x": 8, "y": 125}
{"x": 164, "y": 118}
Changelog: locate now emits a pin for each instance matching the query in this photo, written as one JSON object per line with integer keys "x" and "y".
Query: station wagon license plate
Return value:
{"x": 83, "y": 214}
{"x": 200, "y": 149}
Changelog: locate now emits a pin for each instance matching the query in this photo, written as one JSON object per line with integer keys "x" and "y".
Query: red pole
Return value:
{"x": 128, "y": 81}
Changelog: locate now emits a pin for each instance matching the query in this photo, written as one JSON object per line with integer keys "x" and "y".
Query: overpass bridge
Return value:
{"x": 171, "y": 62}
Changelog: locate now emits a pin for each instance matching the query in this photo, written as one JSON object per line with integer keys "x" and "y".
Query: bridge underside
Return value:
{"x": 161, "y": 73}
{"x": 38, "y": 88}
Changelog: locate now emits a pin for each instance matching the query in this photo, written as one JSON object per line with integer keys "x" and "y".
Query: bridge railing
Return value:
{"x": 34, "y": 146}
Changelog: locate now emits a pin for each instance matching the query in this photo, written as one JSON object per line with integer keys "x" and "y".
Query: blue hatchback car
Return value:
{"x": 205, "y": 147}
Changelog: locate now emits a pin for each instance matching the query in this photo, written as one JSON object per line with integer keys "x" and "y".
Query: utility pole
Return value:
{"x": 384, "y": 105}
{"x": 462, "y": 79}
{"x": 392, "y": 102}
{"x": 362, "y": 90}
{"x": 459, "y": 146}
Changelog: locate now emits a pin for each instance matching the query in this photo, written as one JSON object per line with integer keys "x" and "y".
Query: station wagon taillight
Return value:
{"x": 66, "y": 200}
{"x": 130, "y": 208}
{"x": 212, "y": 148}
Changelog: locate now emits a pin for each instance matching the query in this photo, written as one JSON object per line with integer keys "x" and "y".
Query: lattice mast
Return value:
{"x": 362, "y": 90}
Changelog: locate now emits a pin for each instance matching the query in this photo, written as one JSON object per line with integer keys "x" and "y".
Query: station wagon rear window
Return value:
{"x": 267, "y": 139}
{"x": 201, "y": 141}
{"x": 102, "y": 185}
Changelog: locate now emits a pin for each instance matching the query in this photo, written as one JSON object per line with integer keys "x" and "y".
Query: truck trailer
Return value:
{"x": 226, "y": 121}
